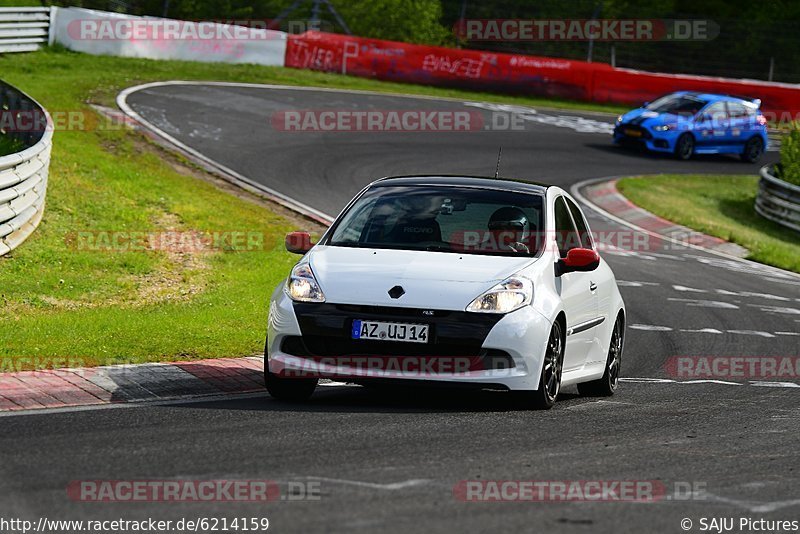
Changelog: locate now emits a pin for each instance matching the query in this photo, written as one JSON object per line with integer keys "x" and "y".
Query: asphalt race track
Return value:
{"x": 388, "y": 462}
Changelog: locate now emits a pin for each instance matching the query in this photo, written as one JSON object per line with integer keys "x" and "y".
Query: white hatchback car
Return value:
{"x": 449, "y": 280}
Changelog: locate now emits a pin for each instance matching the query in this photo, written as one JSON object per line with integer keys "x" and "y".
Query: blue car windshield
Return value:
{"x": 443, "y": 219}
{"x": 677, "y": 105}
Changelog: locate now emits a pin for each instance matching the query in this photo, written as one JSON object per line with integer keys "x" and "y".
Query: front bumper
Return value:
{"x": 487, "y": 350}
{"x": 639, "y": 136}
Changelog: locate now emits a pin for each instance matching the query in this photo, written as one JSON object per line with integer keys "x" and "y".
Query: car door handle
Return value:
{"x": 592, "y": 286}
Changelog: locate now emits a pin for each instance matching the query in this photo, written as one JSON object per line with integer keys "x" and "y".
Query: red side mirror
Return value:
{"x": 579, "y": 259}
{"x": 298, "y": 242}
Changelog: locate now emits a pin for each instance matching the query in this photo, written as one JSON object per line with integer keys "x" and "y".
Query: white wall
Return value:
{"x": 103, "y": 33}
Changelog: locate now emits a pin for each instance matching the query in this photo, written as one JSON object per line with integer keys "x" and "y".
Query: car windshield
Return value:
{"x": 677, "y": 105}
{"x": 443, "y": 219}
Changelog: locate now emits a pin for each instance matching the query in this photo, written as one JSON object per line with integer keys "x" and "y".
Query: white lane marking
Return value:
{"x": 751, "y": 506}
{"x": 774, "y": 384}
{"x": 750, "y": 333}
{"x": 333, "y": 384}
{"x": 650, "y": 327}
{"x": 757, "y": 269}
{"x": 751, "y": 294}
{"x": 631, "y": 283}
{"x": 372, "y": 485}
{"x": 781, "y": 281}
{"x": 776, "y": 309}
{"x": 758, "y": 383}
{"x": 697, "y": 303}
{"x": 688, "y": 289}
{"x": 579, "y": 124}
{"x": 760, "y": 333}
{"x": 647, "y": 380}
{"x": 710, "y": 381}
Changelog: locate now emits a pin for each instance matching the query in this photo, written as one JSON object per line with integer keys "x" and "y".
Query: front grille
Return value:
{"x": 327, "y": 331}
{"x": 621, "y": 130}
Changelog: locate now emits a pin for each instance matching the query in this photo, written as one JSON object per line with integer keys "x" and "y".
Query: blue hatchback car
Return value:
{"x": 687, "y": 123}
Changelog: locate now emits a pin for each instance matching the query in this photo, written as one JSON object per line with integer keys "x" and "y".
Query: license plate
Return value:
{"x": 633, "y": 133}
{"x": 375, "y": 330}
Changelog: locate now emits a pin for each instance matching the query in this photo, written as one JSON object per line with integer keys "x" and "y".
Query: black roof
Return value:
{"x": 454, "y": 180}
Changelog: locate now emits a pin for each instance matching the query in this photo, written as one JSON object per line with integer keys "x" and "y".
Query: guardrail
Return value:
{"x": 777, "y": 200}
{"x": 23, "y": 175}
{"x": 23, "y": 29}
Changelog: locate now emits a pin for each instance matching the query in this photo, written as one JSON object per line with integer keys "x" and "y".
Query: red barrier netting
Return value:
{"x": 518, "y": 74}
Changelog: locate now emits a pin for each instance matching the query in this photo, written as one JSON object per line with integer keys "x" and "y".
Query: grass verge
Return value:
{"x": 721, "y": 206}
{"x": 64, "y": 303}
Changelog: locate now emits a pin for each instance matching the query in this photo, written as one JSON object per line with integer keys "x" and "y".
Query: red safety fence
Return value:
{"x": 519, "y": 74}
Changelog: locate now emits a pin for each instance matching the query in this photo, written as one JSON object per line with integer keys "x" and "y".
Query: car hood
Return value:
{"x": 645, "y": 117}
{"x": 431, "y": 280}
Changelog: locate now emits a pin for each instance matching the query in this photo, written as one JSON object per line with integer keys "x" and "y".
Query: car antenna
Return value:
{"x": 497, "y": 170}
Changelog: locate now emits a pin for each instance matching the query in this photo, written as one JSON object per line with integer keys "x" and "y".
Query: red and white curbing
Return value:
{"x": 62, "y": 388}
{"x": 606, "y": 196}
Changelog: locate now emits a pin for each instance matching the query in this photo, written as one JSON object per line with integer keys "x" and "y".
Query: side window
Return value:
{"x": 736, "y": 110}
{"x": 580, "y": 224}
{"x": 716, "y": 112}
{"x": 566, "y": 236}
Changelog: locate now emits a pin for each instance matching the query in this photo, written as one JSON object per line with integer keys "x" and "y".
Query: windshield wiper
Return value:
{"x": 438, "y": 248}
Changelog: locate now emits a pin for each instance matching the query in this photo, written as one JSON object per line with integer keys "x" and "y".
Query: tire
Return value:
{"x": 607, "y": 385}
{"x": 550, "y": 379}
{"x": 684, "y": 147}
{"x": 753, "y": 150}
{"x": 288, "y": 389}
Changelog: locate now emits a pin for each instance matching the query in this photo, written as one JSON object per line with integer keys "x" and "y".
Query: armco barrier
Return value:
{"x": 519, "y": 74}
{"x": 777, "y": 200}
{"x": 23, "y": 176}
{"x": 23, "y": 29}
{"x": 114, "y": 34}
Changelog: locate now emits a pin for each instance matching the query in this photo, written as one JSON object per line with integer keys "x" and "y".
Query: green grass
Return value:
{"x": 721, "y": 206}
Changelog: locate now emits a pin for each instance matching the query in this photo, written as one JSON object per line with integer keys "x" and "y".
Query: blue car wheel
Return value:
{"x": 753, "y": 150}
{"x": 684, "y": 147}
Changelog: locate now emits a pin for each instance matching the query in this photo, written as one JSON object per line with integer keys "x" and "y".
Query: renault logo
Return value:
{"x": 396, "y": 292}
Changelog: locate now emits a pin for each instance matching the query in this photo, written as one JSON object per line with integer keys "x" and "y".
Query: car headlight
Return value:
{"x": 301, "y": 285}
{"x": 507, "y": 296}
{"x": 663, "y": 127}
{"x": 619, "y": 119}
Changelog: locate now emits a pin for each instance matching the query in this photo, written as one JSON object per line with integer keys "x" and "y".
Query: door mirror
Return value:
{"x": 578, "y": 260}
{"x": 298, "y": 242}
